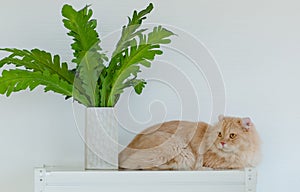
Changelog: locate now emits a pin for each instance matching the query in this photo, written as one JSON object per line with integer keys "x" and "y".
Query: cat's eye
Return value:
{"x": 232, "y": 135}
{"x": 220, "y": 134}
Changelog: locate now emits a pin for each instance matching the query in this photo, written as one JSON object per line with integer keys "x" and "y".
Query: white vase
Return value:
{"x": 101, "y": 137}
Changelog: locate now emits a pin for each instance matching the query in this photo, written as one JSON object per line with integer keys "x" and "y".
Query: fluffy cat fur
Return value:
{"x": 232, "y": 143}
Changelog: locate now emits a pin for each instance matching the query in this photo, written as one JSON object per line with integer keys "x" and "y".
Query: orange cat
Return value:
{"x": 232, "y": 143}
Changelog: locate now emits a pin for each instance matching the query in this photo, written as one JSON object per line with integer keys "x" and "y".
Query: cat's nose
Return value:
{"x": 223, "y": 143}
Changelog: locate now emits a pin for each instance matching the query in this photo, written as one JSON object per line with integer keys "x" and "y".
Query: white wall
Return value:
{"x": 256, "y": 44}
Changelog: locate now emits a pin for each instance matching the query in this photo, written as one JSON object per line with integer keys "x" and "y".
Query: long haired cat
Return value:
{"x": 232, "y": 143}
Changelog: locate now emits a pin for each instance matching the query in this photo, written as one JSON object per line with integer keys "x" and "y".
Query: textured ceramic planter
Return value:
{"x": 101, "y": 137}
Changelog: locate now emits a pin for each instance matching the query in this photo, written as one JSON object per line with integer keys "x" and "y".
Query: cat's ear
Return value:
{"x": 221, "y": 117}
{"x": 246, "y": 123}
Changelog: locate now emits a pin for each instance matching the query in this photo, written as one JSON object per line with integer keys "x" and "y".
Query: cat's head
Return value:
{"x": 235, "y": 134}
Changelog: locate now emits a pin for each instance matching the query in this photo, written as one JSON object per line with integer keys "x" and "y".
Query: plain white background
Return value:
{"x": 255, "y": 43}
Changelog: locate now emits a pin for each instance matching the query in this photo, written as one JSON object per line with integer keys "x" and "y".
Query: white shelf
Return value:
{"x": 145, "y": 181}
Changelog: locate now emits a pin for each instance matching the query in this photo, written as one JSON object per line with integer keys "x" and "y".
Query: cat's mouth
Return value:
{"x": 224, "y": 149}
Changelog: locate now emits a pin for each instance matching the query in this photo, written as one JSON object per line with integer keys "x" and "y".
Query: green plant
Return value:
{"x": 96, "y": 81}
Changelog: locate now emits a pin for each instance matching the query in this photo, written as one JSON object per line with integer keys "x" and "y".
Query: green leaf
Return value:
{"x": 81, "y": 98}
{"x": 159, "y": 35}
{"x": 83, "y": 30}
{"x": 138, "y": 85}
{"x": 129, "y": 32}
{"x": 16, "y": 80}
{"x": 89, "y": 59}
{"x": 38, "y": 60}
{"x": 88, "y": 74}
{"x": 129, "y": 64}
{"x": 127, "y": 39}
